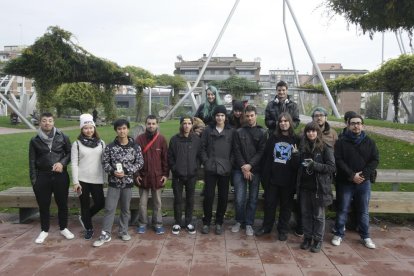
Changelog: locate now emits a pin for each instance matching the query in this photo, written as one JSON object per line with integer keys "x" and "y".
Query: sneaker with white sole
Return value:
{"x": 41, "y": 238}
{"x": 369, "y": 243}
{"x": 125, "y": 237}
{"x": 103, "y": 238}
{"x": 190, "y": 229}
{"x": 67, "y": 234}
{"x": 176, "y": 229}
{"x": 336, "y": 240}
{"x": 249, "y": 230}
{"x": 236, "y": 227}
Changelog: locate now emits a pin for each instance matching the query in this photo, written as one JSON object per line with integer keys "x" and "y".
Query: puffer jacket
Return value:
{"x": 41, "y": 158}
{"x": 216, "y": 151}
{"x": 323, "y": 168}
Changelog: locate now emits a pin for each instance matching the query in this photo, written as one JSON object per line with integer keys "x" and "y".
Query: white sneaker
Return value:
{"x": 369, "y": 243}
{"x": 176, "y": 229}
{"x": 67, "y": 234}
{"x": 103, "y": 238}
{"x": 249, "y": 230}
{"x": 125, "y": 237}
{"x": 42, "y": 236}
{"x": 336, "y": 240}
{"x": 236, "y": 228}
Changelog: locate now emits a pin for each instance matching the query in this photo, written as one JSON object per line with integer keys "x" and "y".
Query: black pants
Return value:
{"x": 313, "y": 215}
{"x": 222, "y": 182}
{"x": 283, "y": 195}
{"x": 178, "y": 184}
{"x": 88, "y": 211}
{"x": 46, "y": 184}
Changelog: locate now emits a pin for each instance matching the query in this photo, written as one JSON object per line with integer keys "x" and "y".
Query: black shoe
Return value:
{"x": 205, "y": 229}
{"x": 219, "y": 229}
{"x": 299, "y": 232}
{"x": 316, "y": 247}
{"x": 88, "y": 234}
{"x": 306, "y": 244}
{"x": 282, "y": 236}
{"x": 261, "y": 232}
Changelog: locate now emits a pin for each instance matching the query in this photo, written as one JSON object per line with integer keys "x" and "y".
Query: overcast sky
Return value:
{"x": 151, "y": 34}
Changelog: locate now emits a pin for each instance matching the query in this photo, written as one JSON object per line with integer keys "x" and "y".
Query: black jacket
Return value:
{"x": 208, "y": 119}
{"x": 216, "y": 151}
{"x": 184, "y": 154}
{"x": 41, "y": 158}
{"x": 274, "y": 109}
{"x": 323, "y": 168}
{"x": 248, "y": 147}
{"x": 351, "y": 158}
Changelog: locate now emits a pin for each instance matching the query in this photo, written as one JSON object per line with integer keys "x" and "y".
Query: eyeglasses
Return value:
{"x": 355, "y": 123}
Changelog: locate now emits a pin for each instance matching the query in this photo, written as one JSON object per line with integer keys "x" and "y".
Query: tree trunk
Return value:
{"x": 108, "y": 102}
{"x": 139, "y": 103}
{"x": 396, "y": 102}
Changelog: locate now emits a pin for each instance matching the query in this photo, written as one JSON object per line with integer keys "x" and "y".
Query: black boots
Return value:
{"x": 316, "y": 247}
{"x": 306, "y": 244}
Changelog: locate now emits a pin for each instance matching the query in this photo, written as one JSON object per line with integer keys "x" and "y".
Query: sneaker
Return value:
{"x": 81, "y": 222}
{"x": 369, "y": 243}
{"x": 336, "y": 240}
{"x": 125, "y": 237}
{"x": 299, "y": 233}
{"x": 159, "y": 230}
{"x": 41, "y": 238}
{"x": 236, "y": 228}
{"x": 176, "y": 229}
{"x": 261, "y": 232}
{"x": 283, "y": 236}
{"x": 316, "y": 247}
{"x": 88, "y": 234}
{"x": 306, "y": 244}
{"x": 191, "y": 229}
{"x": 206, "y": 229}
{"x": 103, "y": 238}
{"x": 67, "y": 234}
{"x": 249, "y": 230}
{"x": 219, "y": 229}
{"x": 141, "y": 229}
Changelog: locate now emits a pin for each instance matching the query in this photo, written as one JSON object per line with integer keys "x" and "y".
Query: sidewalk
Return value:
{"x": 185, "y": 254}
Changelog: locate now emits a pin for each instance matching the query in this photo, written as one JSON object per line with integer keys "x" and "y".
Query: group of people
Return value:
{"x": 231, "y": 148}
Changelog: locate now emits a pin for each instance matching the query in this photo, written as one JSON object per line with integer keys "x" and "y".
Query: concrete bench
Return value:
{"x": 24, "y": 199}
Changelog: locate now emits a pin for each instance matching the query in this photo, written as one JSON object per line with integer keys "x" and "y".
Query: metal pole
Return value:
{"x": 318, "y": 71}
{"x": 398, "y": 41}
{"x": 292, "y": 59}
{"x": 17, "y": 111}
{"x": 402, "y": 42}
{"x": 382, "y": 93}
{"x": 149, "y": 101}
{"x": 205, "y": 64}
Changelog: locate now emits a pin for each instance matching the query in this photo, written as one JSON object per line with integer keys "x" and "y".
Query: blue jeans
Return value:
{"x": 245, "y": 203}
{"x": 361, "y": 194}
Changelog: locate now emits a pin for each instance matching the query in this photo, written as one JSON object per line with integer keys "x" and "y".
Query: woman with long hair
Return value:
{"x": 87, "y": 172}
{"x": 314, "y": 185}
{"x": 206, "y": 109}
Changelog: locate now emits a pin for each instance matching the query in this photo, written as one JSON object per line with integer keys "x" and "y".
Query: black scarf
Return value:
{"x": 89, "y": 142}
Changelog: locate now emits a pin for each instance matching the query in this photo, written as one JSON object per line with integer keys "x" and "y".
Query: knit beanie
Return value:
{"x": 238, "y": 105}
{"x": 219, "y": 109}
{"x": 86, "y": 119}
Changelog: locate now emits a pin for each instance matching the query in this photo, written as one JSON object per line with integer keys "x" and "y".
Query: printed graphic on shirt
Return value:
{"x": 282, "y": 152}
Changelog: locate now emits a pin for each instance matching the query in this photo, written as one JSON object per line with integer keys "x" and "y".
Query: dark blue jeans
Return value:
{"x": 361, "y": 194}
{"x": 246, "y": 203}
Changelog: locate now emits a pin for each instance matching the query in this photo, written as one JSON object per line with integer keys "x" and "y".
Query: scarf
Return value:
{"x": 47, "y": 138}
{"x": 356, "y": 139}
{"x": 89, "y": 142}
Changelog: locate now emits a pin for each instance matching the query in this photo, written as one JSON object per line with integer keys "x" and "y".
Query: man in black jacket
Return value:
{"x": 356, "y": 157}
{"x": 49, "y": 155}
{"x": 184, "y": 154}
{"x": 281, "y": 103}
{"x": 248, "y": 147}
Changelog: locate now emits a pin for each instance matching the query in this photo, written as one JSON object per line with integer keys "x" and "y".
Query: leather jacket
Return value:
{"x": 41, "y": 158}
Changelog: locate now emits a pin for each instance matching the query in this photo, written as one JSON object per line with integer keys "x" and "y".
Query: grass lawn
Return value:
{"x": 14, "y": 170}
{"x": 61, "y": 122}
{"x": 379, "y": 123}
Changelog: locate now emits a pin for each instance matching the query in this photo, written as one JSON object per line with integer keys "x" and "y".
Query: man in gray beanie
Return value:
{"x": 329, "y": 135}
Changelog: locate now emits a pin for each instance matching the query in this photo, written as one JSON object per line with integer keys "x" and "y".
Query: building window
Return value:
{"x": 332, "y": 76}
{"x": 190, "y": 73}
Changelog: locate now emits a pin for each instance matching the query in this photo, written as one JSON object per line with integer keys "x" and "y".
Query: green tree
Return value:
{"x": 373, "y": 106}
{"x": 176, "y": 82}
{"x": 55, "y": 59}
{"x": 141, "y": 78}
{"x": 376, "y": 16}
{"x": 80, "y": 95}
{"x": 237, "y": 86}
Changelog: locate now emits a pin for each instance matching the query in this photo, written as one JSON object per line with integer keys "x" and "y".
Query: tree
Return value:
{"x": 81, "y": 96}
{"x": 237, "y": 86}
{"x": 373, "y": 107}
{"x": 376, "y": 16}
{"x": 176, "y": 82}
{"x": 141, "y": 79}
{"x": 55, "y": 59}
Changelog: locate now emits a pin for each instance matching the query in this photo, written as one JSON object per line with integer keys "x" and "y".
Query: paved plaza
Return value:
{"x": 185, "y": 254}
